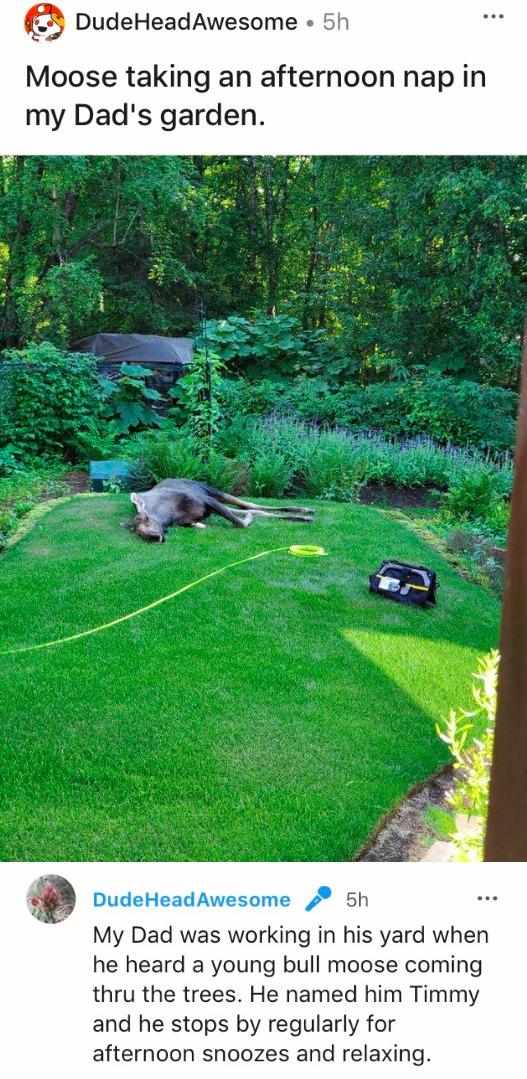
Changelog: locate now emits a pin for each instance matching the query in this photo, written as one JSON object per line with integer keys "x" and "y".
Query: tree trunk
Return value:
{"x": 276, "y": 192}
{"x": 506, "y": 839}
{"x": 314, "y": 252}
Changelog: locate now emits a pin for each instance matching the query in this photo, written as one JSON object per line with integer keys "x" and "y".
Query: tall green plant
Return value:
{"x": 469, "y": 736}
{"x": 197, "y": 396}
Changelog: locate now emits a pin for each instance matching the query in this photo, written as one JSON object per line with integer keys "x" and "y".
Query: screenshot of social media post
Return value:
{"x": 263, "y": 538}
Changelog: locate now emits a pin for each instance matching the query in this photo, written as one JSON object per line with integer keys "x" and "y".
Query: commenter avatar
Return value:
{"x": 50, "y": 898}
{"x": 44, "y": 22}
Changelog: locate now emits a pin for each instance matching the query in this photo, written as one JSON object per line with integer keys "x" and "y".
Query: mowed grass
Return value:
{"x": 275, "y": 712}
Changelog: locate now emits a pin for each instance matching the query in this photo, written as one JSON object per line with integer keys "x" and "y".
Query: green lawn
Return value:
{"x": 275, "y": 712}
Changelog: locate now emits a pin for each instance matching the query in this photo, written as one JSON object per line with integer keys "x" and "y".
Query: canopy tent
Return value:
{"x": 149, "y": 350}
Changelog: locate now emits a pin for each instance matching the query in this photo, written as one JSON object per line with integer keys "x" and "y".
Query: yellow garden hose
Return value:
{"x": 314, "y": 552}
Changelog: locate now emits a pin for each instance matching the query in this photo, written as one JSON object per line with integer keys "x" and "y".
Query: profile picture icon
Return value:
{"x": 44, "y": 22}
{"x": 51, "y": 899}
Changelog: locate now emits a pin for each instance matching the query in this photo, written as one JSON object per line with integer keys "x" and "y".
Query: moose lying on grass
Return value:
{"x": 188, "y": 503}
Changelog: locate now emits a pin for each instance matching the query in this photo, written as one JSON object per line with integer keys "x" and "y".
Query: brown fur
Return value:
{"x": 187, "y": 503}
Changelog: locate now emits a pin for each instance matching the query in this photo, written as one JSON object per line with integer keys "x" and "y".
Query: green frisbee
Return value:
{"x": 306, "y": 551}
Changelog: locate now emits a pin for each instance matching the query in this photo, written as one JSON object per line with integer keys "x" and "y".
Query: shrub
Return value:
{"x": 322, "y": 460}
{"x": 174, "y": 452}
{"x": 310, "y": 399}
{"x": 270, "y": 476}
{"x": 470, "y": 737}
{"x": 196, "y": 395}
{"x": 450, "y": 411}
{"x": 51, "y": 401}
{"x": 459, "y": 411}
{"x": 275, "y": 455}
{"x": 168, "y": 452}
{"x": 238, "y": 397}
{"x": 9, "y": 465}
{"x": 474, "y": 494}
{"x": 224, "y": 472}
{"x": 334, "y": 466}
{"x": 446, "y": 409}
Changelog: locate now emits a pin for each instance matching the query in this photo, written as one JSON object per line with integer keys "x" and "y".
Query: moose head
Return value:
{"x": 146, "y": 526}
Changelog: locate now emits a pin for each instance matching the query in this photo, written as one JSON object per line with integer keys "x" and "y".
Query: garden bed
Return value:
{"x": 386, "y": 495}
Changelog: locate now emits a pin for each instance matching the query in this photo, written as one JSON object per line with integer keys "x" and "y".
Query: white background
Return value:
{"x": 47, "y": 976}
{"x": 383, "y": 34}
{"x": 46, "y": 971}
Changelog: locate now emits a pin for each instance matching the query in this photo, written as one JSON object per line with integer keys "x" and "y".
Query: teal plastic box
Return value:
{"x": 103, "y": 473}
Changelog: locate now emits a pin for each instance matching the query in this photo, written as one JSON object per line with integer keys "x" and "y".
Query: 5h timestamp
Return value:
{"x": 334, "y": 20}
{"x": 357, "y": 899}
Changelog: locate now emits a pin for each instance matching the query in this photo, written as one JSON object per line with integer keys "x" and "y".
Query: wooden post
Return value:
{"x": 506, "y": 839}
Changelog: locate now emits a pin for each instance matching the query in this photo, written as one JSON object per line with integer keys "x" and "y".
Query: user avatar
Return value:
{"x": 44, "y": 22}
{"x": 50, "y": 899}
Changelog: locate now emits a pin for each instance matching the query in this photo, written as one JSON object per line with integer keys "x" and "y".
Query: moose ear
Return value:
{"x": 138, "y": 502}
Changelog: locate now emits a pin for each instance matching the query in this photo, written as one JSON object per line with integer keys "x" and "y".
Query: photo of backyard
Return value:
{"x": 328, "y": 352}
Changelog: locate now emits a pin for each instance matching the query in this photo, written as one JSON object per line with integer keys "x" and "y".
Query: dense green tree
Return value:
{"x": 89, "y": 243}
{"x": 401, "y": 261}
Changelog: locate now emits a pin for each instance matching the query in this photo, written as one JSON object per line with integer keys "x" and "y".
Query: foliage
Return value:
{"x": 389, "y": 261}
{"x": 406, "y": 260}
{"x": 474, "y": 495}
{"x": 196, "y": 394}
{"x": 21, "y": 492}
{"x": 270, "y": 476}
{"x": 161, "y": 454}
{"x": 341, "y": 461}
{"x": 274, "y": 455}
{"x": 483, "y": 553}
{"x": 51, "y": 402}
{"x": 8, "y": 461}
{"x": 437, "y": 405}
{"x": 267, "y": 345}
{"x": 93, "y": 242}
{"x": 128, "y": 399}
{"x": 172, "y": 452}
{"x": 240, "y": 397}
{"x": 469, "y": 736}
{"x": 450, "y": 411}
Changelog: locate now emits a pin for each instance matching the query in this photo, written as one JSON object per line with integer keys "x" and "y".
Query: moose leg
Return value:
{"x": 231, "y": 500}
{"x": 274, "y": 510}
{"x": 279, "y": 516}
{"x": 222, "y": 511}
{"x": 270, "y": 511}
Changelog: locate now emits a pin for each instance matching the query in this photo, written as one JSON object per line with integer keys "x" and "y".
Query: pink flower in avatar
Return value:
{"x": 51, "y": 898}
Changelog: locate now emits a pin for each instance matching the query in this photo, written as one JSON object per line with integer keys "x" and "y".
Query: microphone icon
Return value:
{"x": 323, "y": 893}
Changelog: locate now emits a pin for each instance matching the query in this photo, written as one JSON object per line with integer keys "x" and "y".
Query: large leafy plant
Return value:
{"x": 270, "y": 344}
{"x": 128, "y": 399}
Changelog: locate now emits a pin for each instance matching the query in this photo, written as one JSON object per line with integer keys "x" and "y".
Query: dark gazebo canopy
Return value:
{"x": 149, "y": 350}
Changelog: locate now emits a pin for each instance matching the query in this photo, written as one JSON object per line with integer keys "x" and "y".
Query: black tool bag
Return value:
{"x": 415, "y": 585}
